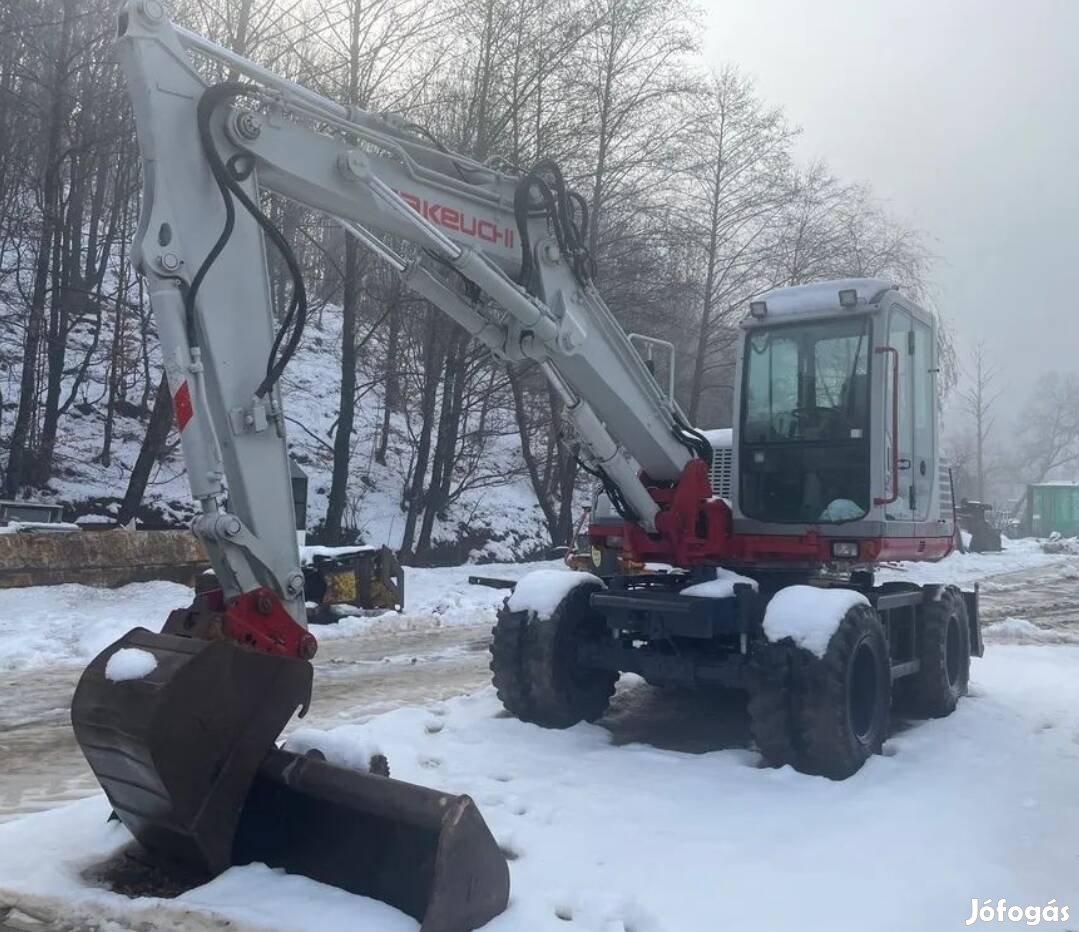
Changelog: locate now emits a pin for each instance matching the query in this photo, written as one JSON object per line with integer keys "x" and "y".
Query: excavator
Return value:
{"x": 768, "y": 582}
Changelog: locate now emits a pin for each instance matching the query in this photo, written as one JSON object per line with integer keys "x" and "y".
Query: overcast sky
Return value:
{"x": 964, "y": 117}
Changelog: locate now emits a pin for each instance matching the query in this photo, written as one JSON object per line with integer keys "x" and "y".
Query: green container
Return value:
{"x": 1053, "y": 506}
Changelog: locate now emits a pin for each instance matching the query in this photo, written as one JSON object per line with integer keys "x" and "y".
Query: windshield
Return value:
{"x": 805, "y": 422}
{"x": 808, "y": 383}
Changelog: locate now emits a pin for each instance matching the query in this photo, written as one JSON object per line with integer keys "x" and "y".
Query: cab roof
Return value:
{"x": 820, "y": 297}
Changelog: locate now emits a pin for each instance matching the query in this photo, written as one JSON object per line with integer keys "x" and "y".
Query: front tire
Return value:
{"x": 842, "y": 702}
{"x": 534, "y": 663}
{"x": 772, "y": 722}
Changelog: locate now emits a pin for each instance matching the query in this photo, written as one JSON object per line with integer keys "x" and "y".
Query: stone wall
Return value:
{"x": 99, "y": 558}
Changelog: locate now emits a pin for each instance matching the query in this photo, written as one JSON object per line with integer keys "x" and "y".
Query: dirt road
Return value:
{"x": 354, "y": 677}
{"x": 371, "y": 673}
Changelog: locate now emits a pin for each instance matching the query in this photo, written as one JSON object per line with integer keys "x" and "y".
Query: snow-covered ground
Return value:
{"x": 969, "y": 568}
{"x": 45, "y": 625}
{"x": 612, "y": 839}
{"x": 642, "y": 836}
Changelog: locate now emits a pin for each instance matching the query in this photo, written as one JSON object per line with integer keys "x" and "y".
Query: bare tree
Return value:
{"x": 380, "y": 35}
{"x": 978, "y": 401}
{"x": 739, "y": 155}
{"x": 1048, "y": 433}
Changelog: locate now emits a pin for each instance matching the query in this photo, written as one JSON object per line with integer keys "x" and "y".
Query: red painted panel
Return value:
{"x": 182, "y": 409}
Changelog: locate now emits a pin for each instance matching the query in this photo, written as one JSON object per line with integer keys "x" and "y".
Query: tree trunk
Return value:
{"x": 20, "y": 460}
{"x": 342, "y": 440}
{"x": 433, "y": 359}
{"x": 703, "y": 332}
{"x": 531, "y": 466}
{"x": 442, "y": 464}
{"x": 392, "y": 385}
{"x": 153, "y": 444}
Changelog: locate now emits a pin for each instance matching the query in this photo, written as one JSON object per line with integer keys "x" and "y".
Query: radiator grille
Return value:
{"x": 946, "y": 502}
{"x": 720, "y": 474}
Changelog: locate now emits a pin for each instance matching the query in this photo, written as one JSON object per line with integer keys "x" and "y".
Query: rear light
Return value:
{"x": 845, "y": 549}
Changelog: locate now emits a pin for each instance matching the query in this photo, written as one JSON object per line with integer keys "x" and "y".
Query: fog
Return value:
{"x": 963, "y": 116}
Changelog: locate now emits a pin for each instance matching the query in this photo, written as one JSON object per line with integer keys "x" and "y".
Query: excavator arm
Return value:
{"x": 186, "y": 753}
{"x": 376, "y": 176}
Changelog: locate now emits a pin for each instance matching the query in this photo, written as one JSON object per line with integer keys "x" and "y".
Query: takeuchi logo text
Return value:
{"x": 1002, "y": 911}
{"x": 460, "y": 221}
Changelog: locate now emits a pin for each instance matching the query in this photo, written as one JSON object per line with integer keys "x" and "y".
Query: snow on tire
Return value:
{"x": 842, "y": 699}
{"x": 534, "y": 662}
{"x": 945, "y": 656}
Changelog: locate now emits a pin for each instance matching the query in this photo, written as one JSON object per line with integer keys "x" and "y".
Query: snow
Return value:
{"x": 255, "y": 893}
{"x": 720, "y": 437}
{"x": 721, "y": 587}
{"x": 967, "y": 568}
{"x": 308, "y": 553}
{"x": 541, "y": 591}
{"x": 38, "y": 527}
{"x": 710, "y": 835}
{"x": 439, "y": 597}
{"x": 340, "y": 746}
{"x": 808, "y": 615}
{"x": 129, "y": 663}
{"x": 1022, "y": 631}
{"x": 1058, "y": 544}
{"x": 47, "y": 625}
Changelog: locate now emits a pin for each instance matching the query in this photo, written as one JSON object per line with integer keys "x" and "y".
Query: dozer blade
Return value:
{"x": 430, "y": 854}
{"x": 177, "y": 749}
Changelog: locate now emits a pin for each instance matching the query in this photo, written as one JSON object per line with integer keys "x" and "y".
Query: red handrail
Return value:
{"x": 895, "y": 425}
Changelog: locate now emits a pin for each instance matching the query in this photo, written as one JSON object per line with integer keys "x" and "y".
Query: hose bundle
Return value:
{"x": 228, "y": 177}
{"x": 567, "y": 217}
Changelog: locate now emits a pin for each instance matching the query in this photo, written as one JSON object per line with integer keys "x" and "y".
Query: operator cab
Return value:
{"x": 837, "y": 420}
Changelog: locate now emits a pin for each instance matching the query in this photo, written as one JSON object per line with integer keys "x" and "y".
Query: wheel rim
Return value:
{"x": 862, "y": 692}
{"x": 951, "y": 651}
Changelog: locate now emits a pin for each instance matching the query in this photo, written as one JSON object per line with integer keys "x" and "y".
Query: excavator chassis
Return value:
{"x": 187, "y": 756}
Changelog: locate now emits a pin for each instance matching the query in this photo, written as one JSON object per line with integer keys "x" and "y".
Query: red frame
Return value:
{"x": 258, "y": 619}
{"x": 694, "y": 528}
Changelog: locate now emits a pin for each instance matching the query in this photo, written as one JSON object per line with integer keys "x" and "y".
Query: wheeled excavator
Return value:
{"x": 833, "y": 468}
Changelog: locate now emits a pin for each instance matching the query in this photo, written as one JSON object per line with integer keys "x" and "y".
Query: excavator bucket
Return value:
{"x": 428, "y": 853}
{"x": 180, "y": 732}
{"x": 176, "y": 749}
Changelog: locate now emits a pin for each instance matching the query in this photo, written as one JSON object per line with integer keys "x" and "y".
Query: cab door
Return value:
{"x": 923, "y": 420}
{"x": 899, "y": 489}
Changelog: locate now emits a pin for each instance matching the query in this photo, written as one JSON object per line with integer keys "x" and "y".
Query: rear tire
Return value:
{"x": 534, "y": 662}
{"x": 944, "y": 676}
{"x": 841, "y": 702}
